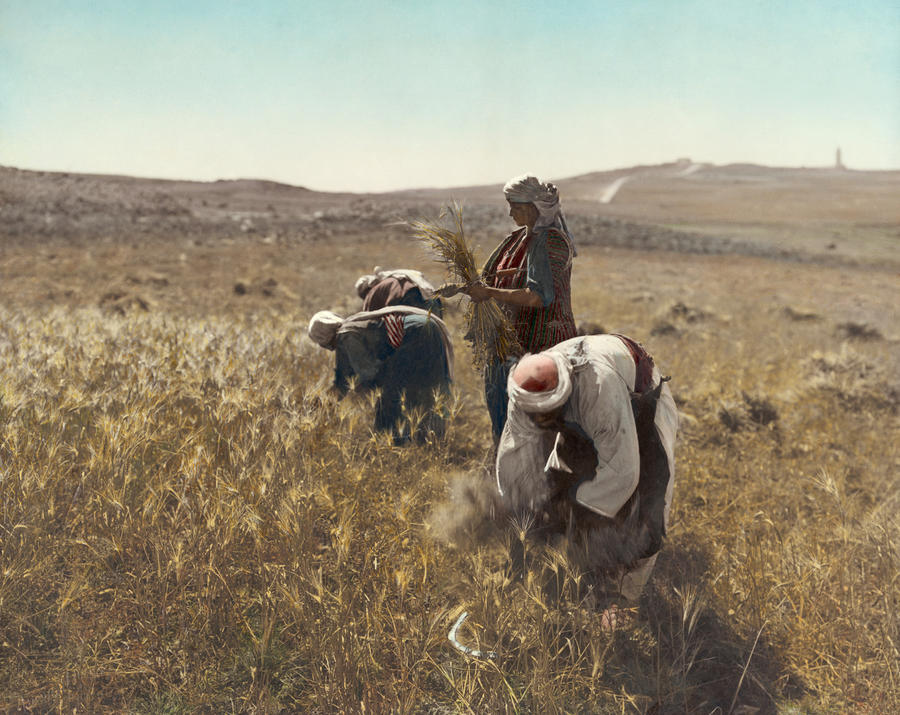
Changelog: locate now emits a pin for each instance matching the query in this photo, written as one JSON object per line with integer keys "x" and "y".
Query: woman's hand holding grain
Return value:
{"x": 478, "y": 292}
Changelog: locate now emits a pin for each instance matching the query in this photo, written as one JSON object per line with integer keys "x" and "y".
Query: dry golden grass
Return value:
{"x": 189, "y": 522}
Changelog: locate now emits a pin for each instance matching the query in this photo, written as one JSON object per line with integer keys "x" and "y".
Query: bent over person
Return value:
{"x": 588, "y": 448}
{"x": 399, "y": 286}
{"x": 403, "y": 351}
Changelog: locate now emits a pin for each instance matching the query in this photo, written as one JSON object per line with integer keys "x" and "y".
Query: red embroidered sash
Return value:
{"x": 643, "y": 363}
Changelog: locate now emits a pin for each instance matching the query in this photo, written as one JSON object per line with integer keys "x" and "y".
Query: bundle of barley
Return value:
{"x": 489, "y": 331}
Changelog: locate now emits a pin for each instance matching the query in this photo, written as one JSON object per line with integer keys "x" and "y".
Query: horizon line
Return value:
{"x": 687, "y": 161}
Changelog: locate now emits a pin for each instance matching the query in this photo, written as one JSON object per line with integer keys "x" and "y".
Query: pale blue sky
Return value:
{"x": 371, "y": 96}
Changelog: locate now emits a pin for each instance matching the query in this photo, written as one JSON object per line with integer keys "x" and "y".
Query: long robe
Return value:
{"x": 600, "y": 409}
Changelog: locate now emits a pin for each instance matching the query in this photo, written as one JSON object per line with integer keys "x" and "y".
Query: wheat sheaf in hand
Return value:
{"x": 488, "y": 329}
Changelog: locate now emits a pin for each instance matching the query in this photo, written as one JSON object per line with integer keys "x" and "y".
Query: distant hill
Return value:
{"x": 824, "y": 213}
{"x": 82, "y": 206}
{"x": 732, "y": 191}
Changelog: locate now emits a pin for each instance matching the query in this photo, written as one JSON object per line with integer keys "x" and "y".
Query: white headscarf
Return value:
{"x": 520, "y": 459}
{"x": 548, "y": 400}
{"x": 528, "y": 189}
{"x": 323, "y": 328}
{"x": 364, "y": 284}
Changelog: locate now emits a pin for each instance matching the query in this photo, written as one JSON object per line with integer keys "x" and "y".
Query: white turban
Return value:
{"x": 520, "y": 460}
{"x": 528, "y": 189}
{"x": 364, "y": 284}
{"x": 548, "y": 400}
{"x": 323, "y": 327}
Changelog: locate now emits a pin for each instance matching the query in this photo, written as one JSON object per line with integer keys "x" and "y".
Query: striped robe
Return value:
{"x": 536, "y": 328}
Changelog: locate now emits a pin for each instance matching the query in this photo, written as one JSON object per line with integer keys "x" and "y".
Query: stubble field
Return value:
{"x": 189, "y": 521}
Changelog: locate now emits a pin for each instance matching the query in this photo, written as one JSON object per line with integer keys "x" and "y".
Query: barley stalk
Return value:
{"x": 488, "y": 329}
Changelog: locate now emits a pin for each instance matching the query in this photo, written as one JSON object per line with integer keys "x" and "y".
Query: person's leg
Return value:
{"x": 666, "y": 421}
{"x": 495, "y": 376}
{"x": 428, "y": 392}
{"x": 387, "y": 409}
{"x": 622, "y": 610}
{"x": 418, "y": 368}
{"x": 631, "y": 583}
{"x": 434, "y": 407}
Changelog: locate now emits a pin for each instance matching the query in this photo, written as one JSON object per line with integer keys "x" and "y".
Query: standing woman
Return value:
{"x": 529, "y": 274}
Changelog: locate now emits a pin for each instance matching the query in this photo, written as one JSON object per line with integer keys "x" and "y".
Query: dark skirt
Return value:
{"x": 415, "y": 375}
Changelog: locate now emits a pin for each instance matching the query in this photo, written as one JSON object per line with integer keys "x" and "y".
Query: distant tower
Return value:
{"x": 838, "y": 164}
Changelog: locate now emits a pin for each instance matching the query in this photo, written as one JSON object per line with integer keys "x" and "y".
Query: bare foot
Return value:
{"x": 614, "y": 618}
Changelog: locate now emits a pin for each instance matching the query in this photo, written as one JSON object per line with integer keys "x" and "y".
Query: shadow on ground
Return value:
{"x": 707, "y": 669}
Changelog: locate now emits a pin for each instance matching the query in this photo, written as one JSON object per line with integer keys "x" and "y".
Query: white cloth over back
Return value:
{"x": 405, "y": 310}
{"x": 602, "y": 374}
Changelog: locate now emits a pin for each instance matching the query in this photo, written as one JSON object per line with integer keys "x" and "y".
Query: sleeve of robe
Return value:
{"x": 355, "y": 356}
{"x": 539, "y": 275}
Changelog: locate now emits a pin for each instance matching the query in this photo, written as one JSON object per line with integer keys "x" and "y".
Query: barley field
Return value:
{"x": 190, "y": 521}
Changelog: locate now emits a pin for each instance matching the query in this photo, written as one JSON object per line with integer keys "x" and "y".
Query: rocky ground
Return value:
{"x": 712, "y": 210}
{"x": 826, "y": 241}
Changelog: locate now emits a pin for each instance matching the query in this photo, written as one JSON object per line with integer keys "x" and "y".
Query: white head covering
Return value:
{"x": 528, "y": 189}
{"x": 520, "y": 459}
{"x": 323, "y": 328}
{"x": 548, "y": 400}
{"x": 364, "y": 284}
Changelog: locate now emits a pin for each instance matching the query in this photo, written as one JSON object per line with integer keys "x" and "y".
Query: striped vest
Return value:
{"x": 536, "y": 328}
